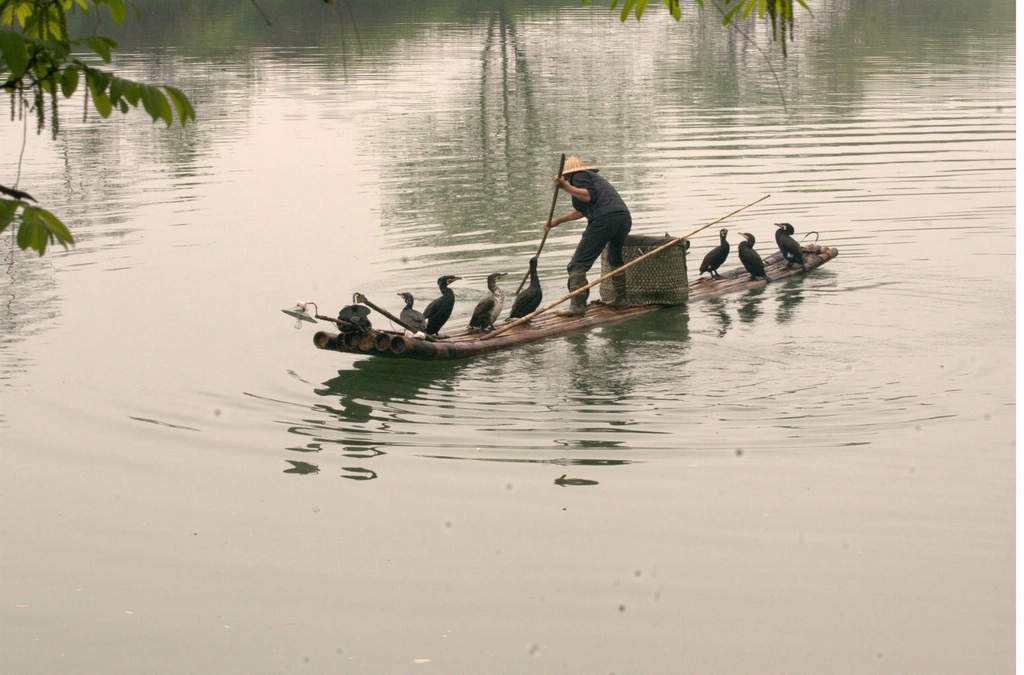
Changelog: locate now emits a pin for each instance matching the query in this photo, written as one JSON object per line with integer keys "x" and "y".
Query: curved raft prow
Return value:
{"x": 463, "y": 343}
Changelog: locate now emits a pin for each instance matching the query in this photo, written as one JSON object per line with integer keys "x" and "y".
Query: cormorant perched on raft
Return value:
{"x": 750, "y": 258}
{"x": 488, "y": 309}
{"x": 528, "y": 298}
{"x": 716, "y": 256}
{"x": 411, "y": 316}
{"x": 791, "y": 250}
{"x": 439, "y": 309}
{"x": 352, "y": 319}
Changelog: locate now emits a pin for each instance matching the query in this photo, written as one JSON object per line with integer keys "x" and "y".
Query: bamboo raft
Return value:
{"x": 463, "y": 343}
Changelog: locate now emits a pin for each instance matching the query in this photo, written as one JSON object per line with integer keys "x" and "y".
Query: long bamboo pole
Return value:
{"x": 551, "y": 213}
{"x": 617, "y": 271}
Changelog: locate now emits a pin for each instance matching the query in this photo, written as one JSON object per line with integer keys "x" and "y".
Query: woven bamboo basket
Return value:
{"x": 659, "y": 280}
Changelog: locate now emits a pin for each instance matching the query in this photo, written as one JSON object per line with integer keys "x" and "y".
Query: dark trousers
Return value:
{"x": 609, "y": 230}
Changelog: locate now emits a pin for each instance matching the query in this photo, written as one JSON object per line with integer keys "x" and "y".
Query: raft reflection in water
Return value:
{"x": 386, "y": 406}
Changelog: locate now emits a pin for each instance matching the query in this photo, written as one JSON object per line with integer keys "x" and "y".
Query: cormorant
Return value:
{"x": 439, "y": 309}
{"x": 750, "y": 258}
{"x": 791, "y": 250}
{"x": 716, "y": 256}
{"x": 528, "y": 298}
{"x": 409, "y": 315}
{"x": 352, "y": 319}
{"x": 488, "y": 309}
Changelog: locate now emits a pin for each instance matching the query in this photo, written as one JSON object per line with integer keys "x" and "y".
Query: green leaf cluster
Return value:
{"x": 109, "y": 91}
{"x": 37, "y": 227}
{"x": 37, "y": 63}
{"x": 780, "y": 12}
{"x": 638, "y": 7}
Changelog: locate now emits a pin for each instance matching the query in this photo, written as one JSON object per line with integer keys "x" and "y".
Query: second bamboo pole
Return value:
{"x": 551, "y": 213}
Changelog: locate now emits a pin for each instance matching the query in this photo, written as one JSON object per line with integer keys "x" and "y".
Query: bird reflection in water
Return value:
{"x": 715, "y": 307}
{"x": 355, "y": 412}
{"x": 789, "y": 296}
{"x": 750, "y": 304}
{"x": 302, "y": 468}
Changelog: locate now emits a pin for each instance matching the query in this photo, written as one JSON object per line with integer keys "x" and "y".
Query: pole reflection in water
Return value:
{"x": 358, "y": 473}
{"x": 564, "y": 481}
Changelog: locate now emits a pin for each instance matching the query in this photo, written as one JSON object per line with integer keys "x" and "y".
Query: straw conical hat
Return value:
{"x": 574, "y": 163}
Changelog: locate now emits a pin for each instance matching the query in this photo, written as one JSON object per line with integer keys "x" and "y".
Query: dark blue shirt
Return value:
{"x": 604, "y": 200}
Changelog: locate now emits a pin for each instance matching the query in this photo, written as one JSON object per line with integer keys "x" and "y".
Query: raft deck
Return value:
{"x": 463, "y": 343}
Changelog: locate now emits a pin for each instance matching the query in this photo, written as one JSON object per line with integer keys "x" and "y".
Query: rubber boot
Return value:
{"x": 578, "y": 303}
{"x": 619, "y": 286}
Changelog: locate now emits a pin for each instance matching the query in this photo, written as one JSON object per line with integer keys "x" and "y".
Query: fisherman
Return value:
{"x": 608, "y": 223}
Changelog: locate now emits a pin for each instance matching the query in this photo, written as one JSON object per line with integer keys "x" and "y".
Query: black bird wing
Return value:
{"x": 714, "y": 258}
{"x": 527, "y": 301}
{"x": 790, "y": 248}
{"x": 438, "y": 311}
{"x": 434, "y": 307}
{"x": 482, "y": 314}
{"x": 751, "y": 261}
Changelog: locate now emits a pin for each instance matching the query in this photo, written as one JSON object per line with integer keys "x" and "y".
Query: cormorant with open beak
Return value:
{"x": 750, "y": 258}
{"x": 489, "y": 309}
{"x": 528, "y": 298}
{"x": 439, "y": 309}
{"x": 716, "y": 256}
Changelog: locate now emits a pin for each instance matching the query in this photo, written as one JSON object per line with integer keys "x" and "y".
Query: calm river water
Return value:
{"x": 813, "y": 477}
